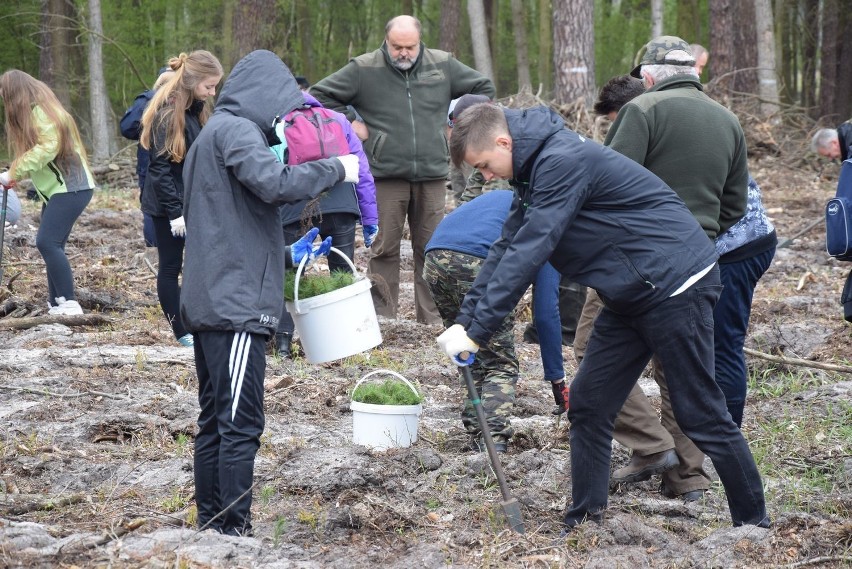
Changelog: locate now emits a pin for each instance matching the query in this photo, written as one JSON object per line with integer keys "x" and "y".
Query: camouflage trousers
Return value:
{"x": 495, "y": 370}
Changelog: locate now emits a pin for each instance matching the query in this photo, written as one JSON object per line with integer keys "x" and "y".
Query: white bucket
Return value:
{"x": 336, "y": 324}
{"x": 381, "y": 427}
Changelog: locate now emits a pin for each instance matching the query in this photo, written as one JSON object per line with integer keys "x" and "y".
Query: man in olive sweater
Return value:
{"x": 698, "y": 148}
{"x": 402, "y": 91}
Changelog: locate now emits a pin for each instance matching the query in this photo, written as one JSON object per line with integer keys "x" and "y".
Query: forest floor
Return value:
{"x": 97, "y": 425}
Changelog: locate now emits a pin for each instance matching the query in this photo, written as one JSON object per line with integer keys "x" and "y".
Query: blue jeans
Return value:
{"x": 731, "y": 317}
{"x": 679, "y": 332}
{"x": 547, "y": 321}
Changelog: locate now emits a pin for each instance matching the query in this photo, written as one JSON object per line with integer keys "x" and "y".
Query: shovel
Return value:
{"x": 511, "y": 507}
{"x": 3, "y": 227}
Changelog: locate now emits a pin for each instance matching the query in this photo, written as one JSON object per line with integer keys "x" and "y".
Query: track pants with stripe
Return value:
{"x": 230, "y": 367}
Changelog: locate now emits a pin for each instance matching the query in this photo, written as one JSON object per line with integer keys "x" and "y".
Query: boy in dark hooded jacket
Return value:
{"x": 233, "y": 275}
{"x": 609, "y": 224}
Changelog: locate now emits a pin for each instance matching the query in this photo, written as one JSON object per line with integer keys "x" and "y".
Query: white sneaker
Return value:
{"x": 67, "y": 308}
{"x": 60, "y": 300}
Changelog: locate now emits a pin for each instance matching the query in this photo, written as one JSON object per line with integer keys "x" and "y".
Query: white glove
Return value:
{"x": 457, "y": 345}
{"x": 5, "y": 178}
{"x": 350, "y": 166}
{"x": 178, "y": 227}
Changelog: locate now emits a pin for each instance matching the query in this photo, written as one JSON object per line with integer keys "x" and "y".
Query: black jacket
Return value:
{"x": 163, "y": 192}
{"x": 600, "y": 218}
{"x": 844, "y": 137}
{"x": 131, "y": 127}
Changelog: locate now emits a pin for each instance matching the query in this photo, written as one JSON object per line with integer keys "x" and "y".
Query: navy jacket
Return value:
{"x": 600, "y": 218}
{"x": 131, "y": 127}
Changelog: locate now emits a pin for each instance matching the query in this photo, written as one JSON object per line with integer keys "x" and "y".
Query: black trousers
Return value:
{"x": 231, "y": 368}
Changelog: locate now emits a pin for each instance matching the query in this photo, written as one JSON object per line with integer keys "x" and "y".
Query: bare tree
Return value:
{"x": 521, "y": 50}
{"x": 253, "y": 24}
{"x": 574, "y": 51}
{"x": 745, "y": 48}
{"x": 656, "y": 18}
{"x": 479, "y": 38}
{"x": 448, "y": 35}
{"x": 767, "y": 75}
{"x": 56, "y": 18}
{"x": 545, "y": 45}
{"x": 829, "y": 67}
{"x": 722, "y": 60}
{"x": 103, "y": 139}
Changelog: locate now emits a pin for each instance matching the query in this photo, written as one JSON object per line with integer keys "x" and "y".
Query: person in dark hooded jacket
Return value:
{"x": 610, "y": 224}
{"x": 232, "y": 293}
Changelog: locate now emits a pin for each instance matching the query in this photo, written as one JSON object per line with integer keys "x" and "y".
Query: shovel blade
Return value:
{"x": 512, "y": 511}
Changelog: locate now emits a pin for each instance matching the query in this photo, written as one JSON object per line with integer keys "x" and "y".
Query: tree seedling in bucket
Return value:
{"x": 316, "y": 284}
{"x": 390, "y": 392}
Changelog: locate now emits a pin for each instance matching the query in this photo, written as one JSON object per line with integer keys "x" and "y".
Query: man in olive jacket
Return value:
{"x": 402, "y": 91}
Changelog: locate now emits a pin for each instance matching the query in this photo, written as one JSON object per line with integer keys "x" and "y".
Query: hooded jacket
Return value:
{"x": 844, "y": 138}
{"x": 600, "y": 218}
{"x": 405, "y": 111}
{"x": 233, "y": 275}
{"x": 341, "y": 198}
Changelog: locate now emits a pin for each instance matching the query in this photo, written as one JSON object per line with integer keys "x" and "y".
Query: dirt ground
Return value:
{"x": 97, "y": 424}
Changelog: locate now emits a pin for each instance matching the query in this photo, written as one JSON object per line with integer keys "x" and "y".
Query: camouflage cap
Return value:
{"x": 658, "y": 51}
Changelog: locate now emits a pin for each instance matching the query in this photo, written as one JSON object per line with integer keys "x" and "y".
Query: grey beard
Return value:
{"x": 402, "y": 65}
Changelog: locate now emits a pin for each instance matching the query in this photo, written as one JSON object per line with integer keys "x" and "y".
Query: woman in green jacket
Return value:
{"x": 48, "y": 149}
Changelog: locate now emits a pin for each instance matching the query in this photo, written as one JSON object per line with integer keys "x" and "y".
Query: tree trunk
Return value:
{"x": 844, "y": 74}
{"x": 810, "y": 29}
{"x": 745, "y": 48}
{"x": 55, "y": 44}
{"x": 253, "y": 23}
{"x": 574, "y": 51}
{"x": 103, "y": 139}
{"x": 521, "y": 49}
{"x": 767, "y": 74}
{"x": 829, "y": 64}
{"x": 306, "y": 40}
{"x": 479, "y": 38}
{"x": 721, "y": 41}
{"x": 656, "y": 18}
{"x": 448, "y": 36}
{"x": 545, "y": 45}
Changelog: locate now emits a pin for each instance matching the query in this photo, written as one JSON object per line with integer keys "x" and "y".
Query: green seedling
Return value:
{"x": 391, "y": 392}
{"x": 315, "y": 284}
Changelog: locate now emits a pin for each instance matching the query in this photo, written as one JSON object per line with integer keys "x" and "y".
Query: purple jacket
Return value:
{"x": 366, "y": 187}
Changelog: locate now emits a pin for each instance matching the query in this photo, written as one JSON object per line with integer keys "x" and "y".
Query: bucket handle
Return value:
{"x": 393, "y": 373}
{"x": 302, "y": 264}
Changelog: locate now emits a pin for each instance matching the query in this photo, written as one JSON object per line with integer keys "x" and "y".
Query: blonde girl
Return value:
{"x": 48, "y": 150}
{"x": 170, "y": 124}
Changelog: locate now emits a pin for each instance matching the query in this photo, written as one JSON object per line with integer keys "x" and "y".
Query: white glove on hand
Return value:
{"x": 350, "y": 166}
{"x": 5, "y": 179}
{"x": 455, "y": 343}
{"x": 178, "y": 227}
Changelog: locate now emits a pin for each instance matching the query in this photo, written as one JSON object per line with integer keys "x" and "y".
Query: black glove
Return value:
{"x": 560, "y": 395}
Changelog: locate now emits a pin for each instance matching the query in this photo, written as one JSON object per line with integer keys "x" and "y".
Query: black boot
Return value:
{"x": 283, "y": 343}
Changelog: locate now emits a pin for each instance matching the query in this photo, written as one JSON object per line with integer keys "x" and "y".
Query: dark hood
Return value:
{"x": 530, "y": 129}
{"x": 259, "y": 88}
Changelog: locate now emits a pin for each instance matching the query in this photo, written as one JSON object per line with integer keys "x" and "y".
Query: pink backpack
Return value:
{"x": 313, "y": 133}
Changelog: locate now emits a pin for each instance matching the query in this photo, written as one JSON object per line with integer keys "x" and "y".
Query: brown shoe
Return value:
{"x": 644, "y": 467}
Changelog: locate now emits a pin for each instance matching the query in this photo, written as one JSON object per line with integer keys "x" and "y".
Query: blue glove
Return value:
{"x": 305, "y": 247}
{"x": 370, "y": 232}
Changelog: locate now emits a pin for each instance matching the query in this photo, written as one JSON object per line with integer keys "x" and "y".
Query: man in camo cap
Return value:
{"x": 698, "y": 148}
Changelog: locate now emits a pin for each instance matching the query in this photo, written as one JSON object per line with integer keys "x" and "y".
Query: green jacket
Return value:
{"x": 405, "y": 111}
{"x": 48, "y": 176}
{"x": 693, "y": 143}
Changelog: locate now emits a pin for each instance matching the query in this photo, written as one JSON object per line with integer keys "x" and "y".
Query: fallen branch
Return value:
{"x": 44, "y": 505}
{"x": 74, "y": 320}
{"x": 819, "y": 560}
{"x": 798, "y": 362}
{"x": 54, "y": 394}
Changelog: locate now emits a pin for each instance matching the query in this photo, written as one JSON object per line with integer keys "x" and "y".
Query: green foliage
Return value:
{"x": 391, "y": 392}
{"x": 315, "y": 284}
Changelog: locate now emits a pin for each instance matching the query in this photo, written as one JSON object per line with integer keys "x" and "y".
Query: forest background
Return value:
{"x": 98, "y": 55}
